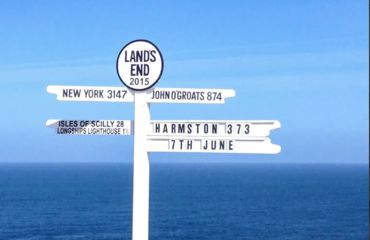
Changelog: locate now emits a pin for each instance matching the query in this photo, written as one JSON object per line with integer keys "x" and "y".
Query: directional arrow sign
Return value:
{"x": 156, "y": 95}
{"x": 215, "y": 128}
{"x": 212, "y": 145}
{"x": 91, "y": 93}
{"x": 91, "y": 127}
{"x": 190, "y": 95}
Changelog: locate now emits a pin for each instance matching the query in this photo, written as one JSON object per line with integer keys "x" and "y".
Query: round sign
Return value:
{"x": 139, "y": 65}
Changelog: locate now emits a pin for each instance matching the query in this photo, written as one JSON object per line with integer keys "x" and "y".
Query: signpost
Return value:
{"x": 139, "y": 67}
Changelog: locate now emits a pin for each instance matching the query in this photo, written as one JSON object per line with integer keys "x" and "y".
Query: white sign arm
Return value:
{"x": 213, "y": 128}
{"x": 91, "y": 127}
{"x": 256, "y": 145}
{"x": 190, "y": 95}
{"x": 91, "y": 93}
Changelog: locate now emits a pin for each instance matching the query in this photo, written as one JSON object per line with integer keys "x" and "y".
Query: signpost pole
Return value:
{"x": 140, "y": 213}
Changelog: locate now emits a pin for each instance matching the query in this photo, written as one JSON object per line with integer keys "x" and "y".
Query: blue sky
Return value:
{"x": 304, "y": 63}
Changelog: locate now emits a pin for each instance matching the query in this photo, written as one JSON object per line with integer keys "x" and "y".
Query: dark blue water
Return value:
{"x": 188, "y": 201}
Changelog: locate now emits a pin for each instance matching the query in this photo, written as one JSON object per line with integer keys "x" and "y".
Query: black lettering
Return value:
{"x": 165, "y": 130}
{"x": 202, "y": 96}
{"x": 157, "y": 128}
{"x": 181, "y": 128}
{"x": 173, "y": 128}
{"x": 71, "y": 93}
{"x": 173, "y": 95}
{"x": 152, "y": 54}
{"x": 189, "y": 145}
{"x": 205, "y": 146}
{"x": 197, "y": 125}
{"x": 166, "y": 95}
{"x": 231, "y": 145}
{"x": 222, "y": 145}
{"x": 133, "y": 57}
{"x": 141, "y": 70}
{"x": 214, "y": 128}
{"x": 139, "y": 56}
{"x": 96, "y": 93}
{"x": 190, "y": 128}
{"x": 205, "y": 128}
{"x": 213, "y": 145}
{"x": 126, "y": 60}
{"x": 132, "y": 70}
{"x": 65, "y": 92}
{"x": 173, "y": 144}
{"x": 181, "y": 142}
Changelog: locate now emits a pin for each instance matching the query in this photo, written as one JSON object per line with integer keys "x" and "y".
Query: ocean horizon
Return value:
{"x": 187, "y": 201}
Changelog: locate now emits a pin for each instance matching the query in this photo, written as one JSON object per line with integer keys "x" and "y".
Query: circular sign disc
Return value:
{"x": 139, "y": 65}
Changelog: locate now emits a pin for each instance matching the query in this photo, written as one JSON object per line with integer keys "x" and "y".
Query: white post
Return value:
{"x": 140, "y": 211}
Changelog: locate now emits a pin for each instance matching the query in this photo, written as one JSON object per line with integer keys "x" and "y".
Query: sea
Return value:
{"x": 228, "y": 201}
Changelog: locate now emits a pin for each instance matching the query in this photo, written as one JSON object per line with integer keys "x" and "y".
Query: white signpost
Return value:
{"x": 139, "y": 67}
